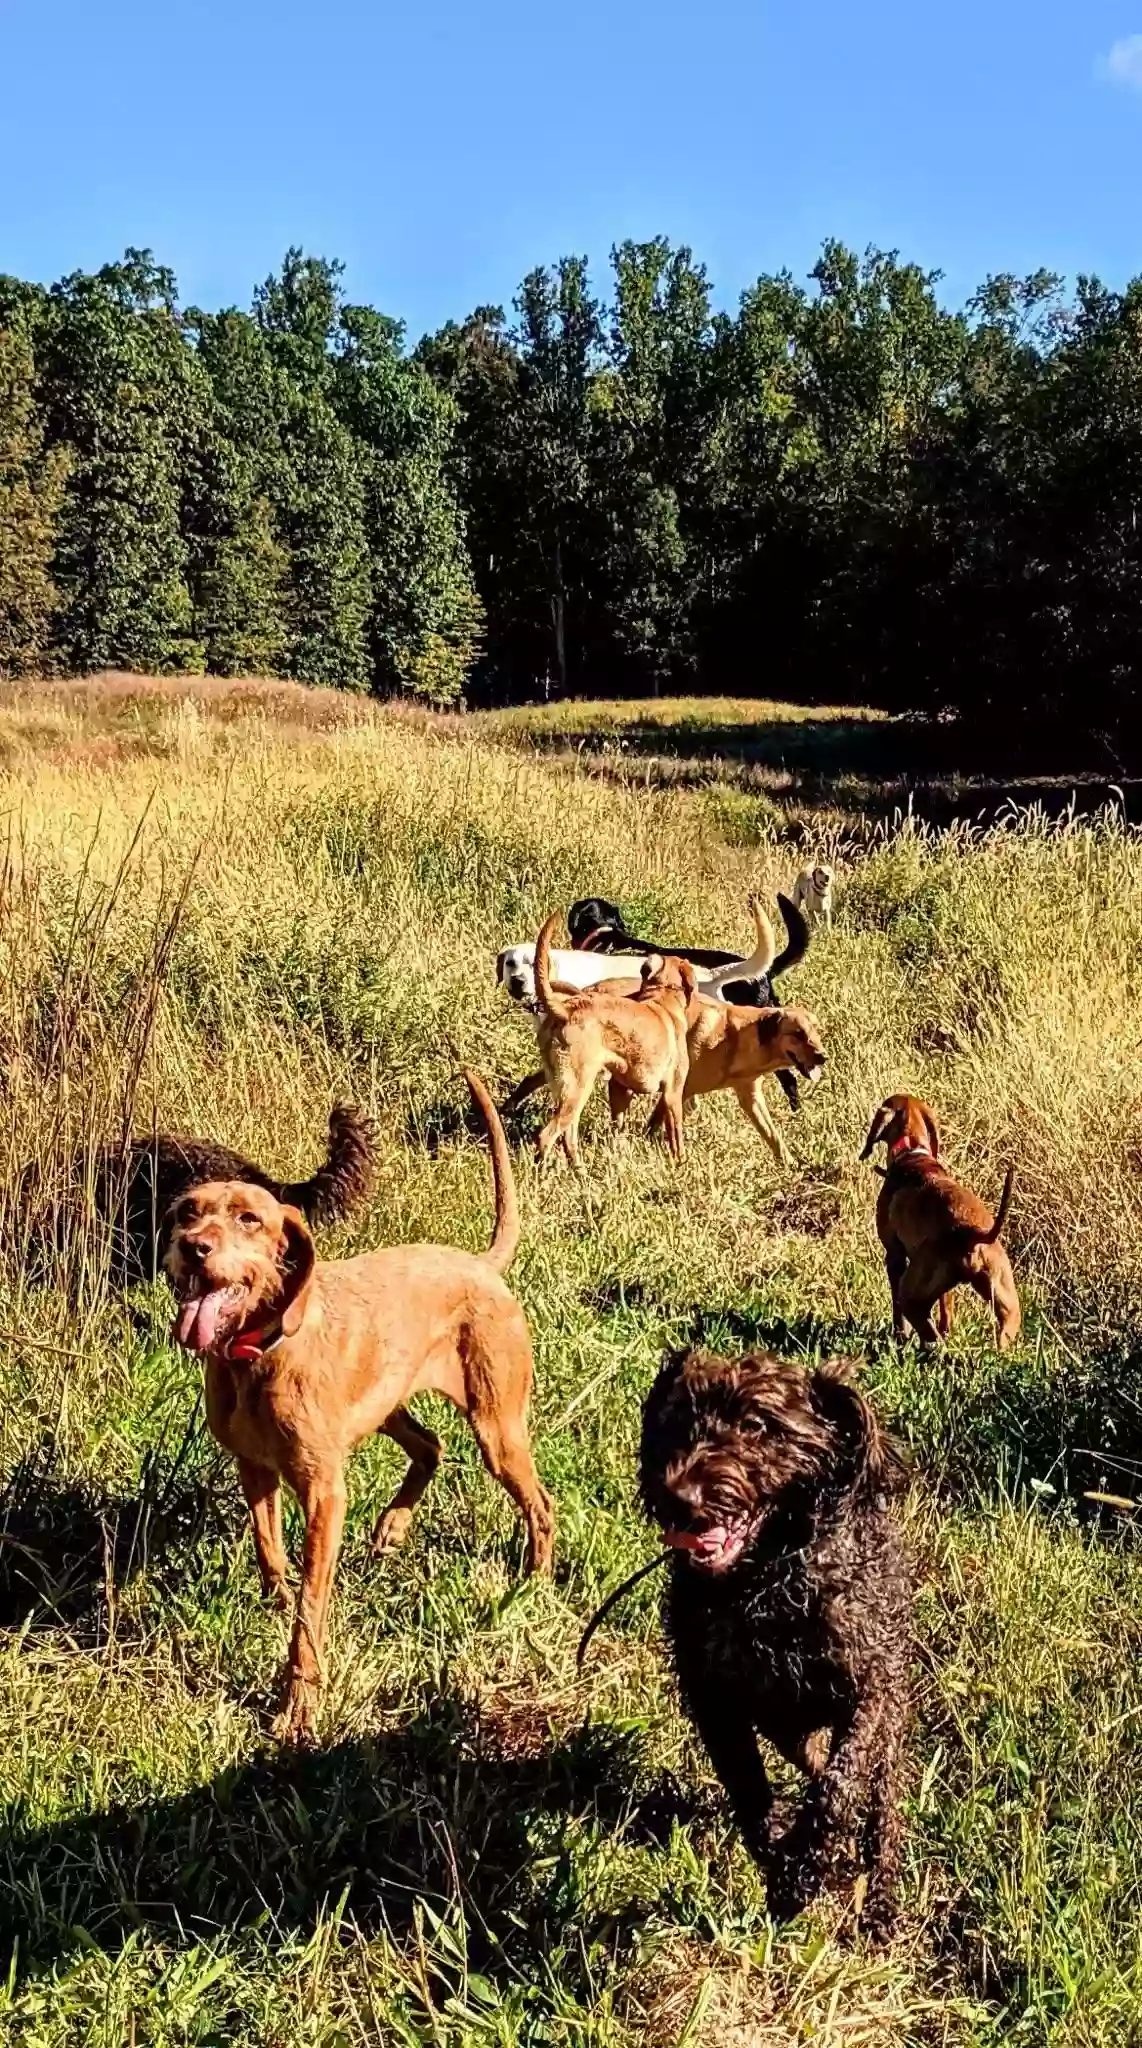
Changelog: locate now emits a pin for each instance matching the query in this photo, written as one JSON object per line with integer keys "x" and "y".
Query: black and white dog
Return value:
{"x": 597, "y": 926}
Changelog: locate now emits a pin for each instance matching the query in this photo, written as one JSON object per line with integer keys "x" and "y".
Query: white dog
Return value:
{"x": 515, "y": 966}
{"x": 813, "y": 894}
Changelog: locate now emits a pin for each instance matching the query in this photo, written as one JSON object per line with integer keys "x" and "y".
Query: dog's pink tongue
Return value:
{"x": 197, "y": 1324}
{"x": 710, "y": 1539}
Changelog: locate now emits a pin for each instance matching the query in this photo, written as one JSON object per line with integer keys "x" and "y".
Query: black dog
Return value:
{"x": 789, "y": 1606}
{"x": 129, "y": 1190}
{"x": 597, "y": 926}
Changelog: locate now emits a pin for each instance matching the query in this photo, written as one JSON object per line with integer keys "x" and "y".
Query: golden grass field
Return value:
{"x": 221, "y": 907}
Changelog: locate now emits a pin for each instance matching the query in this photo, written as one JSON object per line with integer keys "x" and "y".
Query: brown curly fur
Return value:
{"x": 804, "y": 1636}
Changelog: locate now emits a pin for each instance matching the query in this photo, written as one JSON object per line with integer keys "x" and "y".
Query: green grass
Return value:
{"x": 201, "y": 927}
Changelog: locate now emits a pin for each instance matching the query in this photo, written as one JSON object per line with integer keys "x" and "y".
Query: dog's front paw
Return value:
{"x": 391, "y": 1530}
{"x": 295, "y": 1726}
{"x": 792, "y": 1881}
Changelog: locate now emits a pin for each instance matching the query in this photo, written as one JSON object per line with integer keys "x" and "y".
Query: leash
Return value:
{"x": 643, "y": 1572}
{"x": 612, "y": 1600}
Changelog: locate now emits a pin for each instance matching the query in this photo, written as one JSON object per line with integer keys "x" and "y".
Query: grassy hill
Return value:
{"x": 220, "y": 908}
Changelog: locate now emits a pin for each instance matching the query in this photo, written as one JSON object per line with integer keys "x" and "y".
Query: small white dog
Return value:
{"x": 813, "y": 894}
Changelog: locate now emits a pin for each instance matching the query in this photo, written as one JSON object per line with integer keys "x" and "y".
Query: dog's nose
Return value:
{"x": 198, "y": 1248}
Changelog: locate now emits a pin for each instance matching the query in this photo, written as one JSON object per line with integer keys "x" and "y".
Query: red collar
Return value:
{"x": 250, "y": 1344}
{"x": 905, "y": 1146}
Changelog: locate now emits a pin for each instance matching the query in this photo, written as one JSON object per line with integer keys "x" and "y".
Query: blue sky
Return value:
{"x": 442, "y": 149}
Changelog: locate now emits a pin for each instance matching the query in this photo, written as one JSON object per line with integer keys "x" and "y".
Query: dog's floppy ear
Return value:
{"x": 297, "y": 1262}
{"x": 877, "y": 1464}
{"x": 932, "y": 1129}
{"x": 166, "y": 1232}
{"x": 879, "y": 1128}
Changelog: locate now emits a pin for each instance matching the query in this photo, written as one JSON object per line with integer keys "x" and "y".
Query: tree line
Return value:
{"x": 844, "y": 489}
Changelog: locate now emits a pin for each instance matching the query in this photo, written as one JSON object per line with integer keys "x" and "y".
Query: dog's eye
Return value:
{"x": 249, "y": 1221}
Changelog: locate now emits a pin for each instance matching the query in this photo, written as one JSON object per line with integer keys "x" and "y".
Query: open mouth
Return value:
{"x": 206, "y": 1313}
{"x": 716, "y": 1548}
{"x": 815, "y": 1071}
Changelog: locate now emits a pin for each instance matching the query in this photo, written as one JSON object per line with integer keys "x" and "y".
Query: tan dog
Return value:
{"x": 305, "y": 1358}
{"x": 731, "y": 1045}
{"x": 653, "y": 975}
{"x": 936, "y": 1233}
{"x": 637, "y": 1040}
{"x": 813, "y": 894}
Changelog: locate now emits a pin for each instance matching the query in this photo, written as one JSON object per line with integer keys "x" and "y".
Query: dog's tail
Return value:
{"x": 797, "y": 926}
{"x": 346, "y": 1179}
{"x": 556, "y": 1005}
{"x": 505, "y": 1237}
{"x": 989, "y": 1236}
{"x": 760, "y": 962}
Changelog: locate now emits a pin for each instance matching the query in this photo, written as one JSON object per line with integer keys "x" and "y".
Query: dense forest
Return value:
{"x": 844, "y": 490}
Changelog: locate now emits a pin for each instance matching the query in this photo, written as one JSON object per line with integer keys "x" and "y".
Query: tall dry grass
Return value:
{"x": 216, "y": 922}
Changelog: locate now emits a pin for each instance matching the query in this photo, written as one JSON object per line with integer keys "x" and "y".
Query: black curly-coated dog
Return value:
{"x": 789, "y": 1605}
{"x": 597, "y": 925}
{"x": 129, "y": 1190}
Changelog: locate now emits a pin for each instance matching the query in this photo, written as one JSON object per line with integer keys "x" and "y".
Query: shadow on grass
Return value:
{"x": 451, "y": 1808}
{"x": 65, "y": 1544}
{"x": 874, "y": 766}
{"x": 1041, "y": 1429}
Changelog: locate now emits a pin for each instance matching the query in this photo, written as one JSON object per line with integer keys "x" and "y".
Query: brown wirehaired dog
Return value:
{"x": 789, "y": 1604}
{"x": 305, "y": 1358}
{"x": 637, "y": 1040}
{"x": 936, "y": 1233}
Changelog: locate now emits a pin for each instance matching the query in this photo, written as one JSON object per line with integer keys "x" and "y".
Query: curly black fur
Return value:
{"x": 801, "y": 1633}
{"x": 598, "y": 926}
{"x": 131, "y": 1189}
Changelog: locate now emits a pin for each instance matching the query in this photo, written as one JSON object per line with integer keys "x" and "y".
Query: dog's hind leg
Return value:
{"x": 829, "y": 1810}
{"x": 424, "y": 1453}
{"x": 895, "y": 1267}
{"x": 619, "y": 1098}
{"x": 563, "y": 1127}
{"x": 916, "y": 1306}
{"x": 672, "y": 1119}
{"x": 994, "y": 1283}
{"x": 506, "y": 1449}
{"x": 883, "y": 1836}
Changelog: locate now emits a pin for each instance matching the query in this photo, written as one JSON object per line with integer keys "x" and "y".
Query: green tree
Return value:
{"x": 125, "y": 397}
{"x": 654, "y": 447}
{"x": 425, "y": 613}
{"x": 31, "y": 491}
{"x": 558, "y": 338}
{"x": 318, "y": 487}
{"x": 240, "y": 566}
